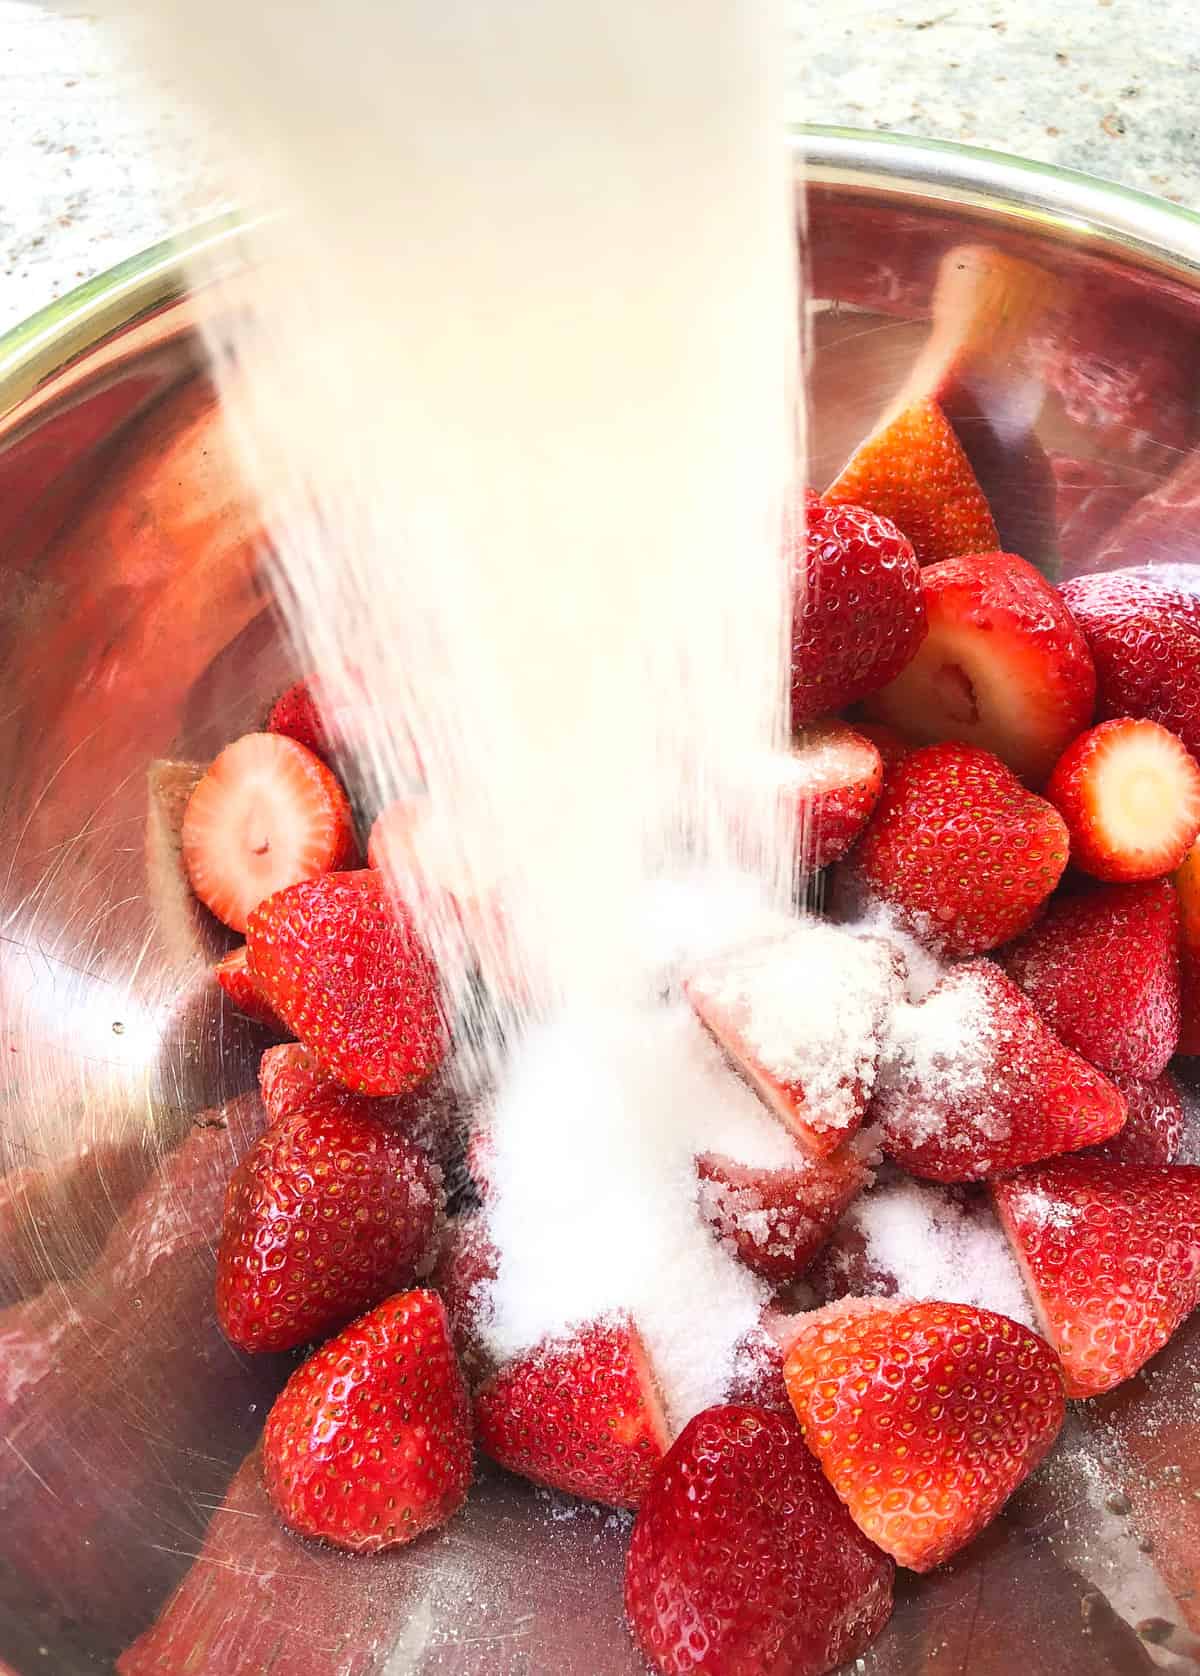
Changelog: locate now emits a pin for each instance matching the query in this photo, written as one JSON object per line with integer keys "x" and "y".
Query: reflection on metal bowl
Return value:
{"x": 1059, "y": 322}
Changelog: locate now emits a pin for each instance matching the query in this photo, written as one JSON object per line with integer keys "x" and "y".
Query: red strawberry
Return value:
{"x": 1110, "y": 1253}
{"x": 234, "y": 978}
{"x": 757, "y": 1377}
{"x": 832, "y": 777}
{"x": 1143, "y": 627}
{"x": 1102, "y": 968}
{"x": 977, "y": 1084}
{"x": 925, "y": 1416}
{"x": 297, "y": 714}
{"x": 266, "y": 815}
{"x": 777, "y": 1219}
{"x": 1187, "y": 889}
{"x": 1130, "y": 795}
{"x": 464, "y": 1276}
{"x": 369, "y": 1443}
{"x": 960, "y": 849}
{"x": 801, "y": 1016}
{"x": 579, "y": 1414}
{"x": 1154, "y": 1128}
{"x": 744, "y": 1562}
{"x": 857, "y": 611}
{"x": 347, "y": 971}
{"x": 289, "y": 1078}
{"x": 1004, "y": 665}
{"x": 913, "y": 470}
{"x": 330, "y": 1211}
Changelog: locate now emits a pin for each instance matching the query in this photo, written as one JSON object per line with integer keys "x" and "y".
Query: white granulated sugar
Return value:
{"x": 939, "y": 1248}
{"x": 1029, "y": 1204}
{"x": 811, "y": 1005}
{"x": 922, "y": 969}
{"x": 940, "y": 1061}
{"x": 594, "y": 1208}
{"x": 690, "y": 919}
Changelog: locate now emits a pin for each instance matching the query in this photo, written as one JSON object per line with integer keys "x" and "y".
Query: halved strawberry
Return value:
{"x": 579, "y": 1414}
{"x": 743, "y": 1561}
{"x": 1004, "y": 665}
{"x": 975, "y": 1083}
{"x": 857, "y": 611}
{"x": 346, "y": 969}
{"x": 329, "y": 1212}
{"x": 962, "y": 851}
{"x": 1102, "y": 968}
{"x": 369, "y": 1443}
{"x": 1110, "y": 1252}
{"x": 832, "y": 778}
{"x": 777, "y": 1218}
{"x": 801, "y": 1016}
{"x": 925, "y": 1416}
{"x": 1187, "y": 890}
{"x": 1154, "y": 1128}
{"x": 913, "y": 471}
{"x": 1129, "y": 792}
{"x": 233, "y": 975}
{"x": 297, "y": 714}
{"x": 266, "y": 815}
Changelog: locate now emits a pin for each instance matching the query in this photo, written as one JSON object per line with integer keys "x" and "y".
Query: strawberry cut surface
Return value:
{"x": 1110, "y": 1252}
{"x": 579, "y": 1414}
{"x": 743, "y": 1561}
{"x": 267, "y": 814}
{"x": 831, "y": 777}
{"x": 369, "y": 1443}
{"x": 1129, "y": 792}
{"x": 925, "y": 1416}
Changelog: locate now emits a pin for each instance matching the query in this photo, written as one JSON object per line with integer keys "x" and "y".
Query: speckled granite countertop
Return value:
{"x": 90, "y": 172}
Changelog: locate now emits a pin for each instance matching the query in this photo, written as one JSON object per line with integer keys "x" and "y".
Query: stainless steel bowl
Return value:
{"x": 135, "y": 637}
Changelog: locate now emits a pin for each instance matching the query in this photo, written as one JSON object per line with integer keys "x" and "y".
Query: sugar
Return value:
{"x": 938, "y": 1247}
{"x": 941, "y": 1061}
{"x": 922, "y": 968}
{"x": 1030, "y": 1205}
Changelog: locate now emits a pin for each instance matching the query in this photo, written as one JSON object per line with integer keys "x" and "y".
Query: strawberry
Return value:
{"x": 892, "y": 746}
{"x": 913, "y": 470}
{"x": 1130, "y": 795}
{"x": 1187, "y": 889}
{"x": 266, "y": 815}
{"x": 289, "y": 1079}
{"x": 368, "y": 1444}
{"x": 330, "y": 1211}
{"x": 1143, "y": 628}
{"x": 962, "y": 851}
{"x": 1110, "y": 1253}
{"x": 1102, "y": 968}
{"x": 296, "y": 714}
{"x": 1154, "y": 1128}
{"x": 464, "y": 1276}
{"x": 976, "y": 1083}
{"x": 234, "y": 978}
{"x": 756, "y": 1380}
{"x": 857, "y": 610}
{"x": 801, "y": 1015}
{"x": 579, "y": 1414}
{"x": 777, "y": 1218}
{"x": 1004, "y": 665}
{"x": 743, "y": 1561}
{"x": 346, "y": 970}
{"x": 832, "y": 778}
{"x": 925, "y": 1416}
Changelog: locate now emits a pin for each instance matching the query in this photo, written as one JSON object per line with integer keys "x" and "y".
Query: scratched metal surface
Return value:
{"x": 135, "y": 635}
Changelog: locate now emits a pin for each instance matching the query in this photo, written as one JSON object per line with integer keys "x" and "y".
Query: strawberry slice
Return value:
{"x": 832, "y": 778}
{"x": 233, "y": 975}
{"x": 1154, "y": 1128}
{"x": 266, "y": 815}
{"x": 346, "y": 970}
{"x": 1130, "y": 795}
{"x": 925, "y": 1416}
{"x": 743, "y": 1561}
{"x": 975, "y": 1083}
{"x": 330, "y": 1211}
{"x": 857, "y": 610}
{"x": 1187, "y": 889}
{"x": 777, "y": 1219}
{"x": 1102, "y": 968}
{"x": 960, "y": 849}
{"x": 1004, "y": 666}
{"x": 297, "y": 714}
{"x": 913, "y": 471}
{"x": 579, "y": 1414}
{"x": 1110, "y": 1252}
{"x": 368, "y": 1445}
{"x": 801, "y": 1016}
